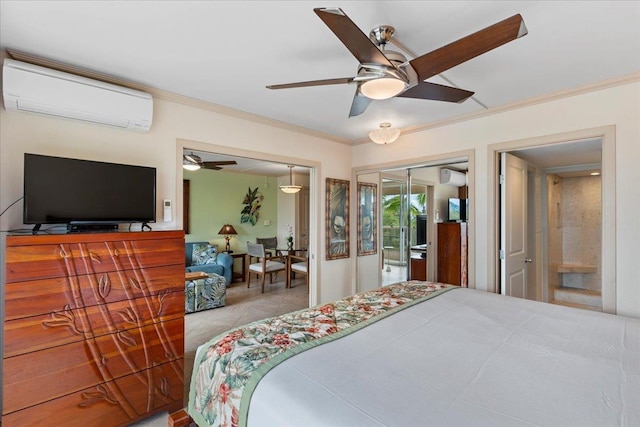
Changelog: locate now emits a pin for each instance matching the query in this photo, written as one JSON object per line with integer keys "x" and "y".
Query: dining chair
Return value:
{"x": 266, "y": 264}
{"x": 270, "y": 244}
{"x": 297, "y": 265}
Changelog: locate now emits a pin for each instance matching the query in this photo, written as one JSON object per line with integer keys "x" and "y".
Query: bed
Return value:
{"x": 420, "y": 353}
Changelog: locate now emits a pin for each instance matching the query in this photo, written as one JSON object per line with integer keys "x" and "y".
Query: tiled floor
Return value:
{"x": 242, "y": 306}
{"x": 392, "y": 273}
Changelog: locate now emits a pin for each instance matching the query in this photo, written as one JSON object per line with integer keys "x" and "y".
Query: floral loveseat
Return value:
{"x": 205, "y": 293}
{"x": 209, "y": 291}
{"x": 201, "y": 256}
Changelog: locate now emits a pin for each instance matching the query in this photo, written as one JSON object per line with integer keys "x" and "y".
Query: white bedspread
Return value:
{"x": 464, "y": 358}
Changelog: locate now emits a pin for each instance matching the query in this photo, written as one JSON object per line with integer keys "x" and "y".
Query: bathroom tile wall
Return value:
{"x": 581, "y": 229}
{"x": 554, "y": 230}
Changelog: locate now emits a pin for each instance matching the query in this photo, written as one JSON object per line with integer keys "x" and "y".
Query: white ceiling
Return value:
{"x": 585, "y": 153}
{"x": 226, "y": 52}
{"x": 250, "y": 166}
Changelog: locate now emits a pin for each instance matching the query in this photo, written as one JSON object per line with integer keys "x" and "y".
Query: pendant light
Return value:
{"x": 385, "y": 134}
{"x": 291, "y": 189}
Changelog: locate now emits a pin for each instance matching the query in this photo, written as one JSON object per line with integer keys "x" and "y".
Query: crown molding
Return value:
{"x": 255, "y": 118}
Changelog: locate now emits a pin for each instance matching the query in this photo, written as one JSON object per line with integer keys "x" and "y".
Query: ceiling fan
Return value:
{"x": 194, "y": 162}
{"x": 383, "y": 74}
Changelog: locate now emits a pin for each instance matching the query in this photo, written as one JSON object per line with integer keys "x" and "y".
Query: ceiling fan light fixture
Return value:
{"x": 191, "y": 162}
{"x": 382, "y": 88}
{"x": 385, "y": 135}
{"x": 190, "y": 166}
{"x": 291, "y": 188}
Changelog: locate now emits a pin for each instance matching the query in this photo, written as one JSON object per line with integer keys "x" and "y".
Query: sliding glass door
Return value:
{"x": 413, "y": 200}
{"x": 394, "y": 226}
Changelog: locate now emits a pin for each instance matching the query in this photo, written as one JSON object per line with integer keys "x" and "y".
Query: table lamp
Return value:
{"x": 227, "y": 230}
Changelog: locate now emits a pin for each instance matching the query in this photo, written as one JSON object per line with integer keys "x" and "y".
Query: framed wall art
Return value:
{"x": 367, "y": 214}
{"x": 337, "y": 219}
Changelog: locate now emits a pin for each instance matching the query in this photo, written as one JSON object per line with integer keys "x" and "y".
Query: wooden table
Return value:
{"x": 294, "y": 251}
{"x": 239, "y": 275}
{"x": 419, "y": 262}
{"x": 195, "y": 275}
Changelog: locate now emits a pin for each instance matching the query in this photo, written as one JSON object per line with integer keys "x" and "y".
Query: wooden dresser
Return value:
{"x": 93, "y": 328}
{"x": 452, "y": 253}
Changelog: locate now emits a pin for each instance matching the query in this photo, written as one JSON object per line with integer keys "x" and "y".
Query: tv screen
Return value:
{"x": 59, "y": 190}
{"x": 421, "y": 230}
{"x": 457, "y": 210}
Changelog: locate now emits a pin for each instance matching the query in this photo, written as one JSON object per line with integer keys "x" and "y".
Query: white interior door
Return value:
{"x": 513, "y": 226}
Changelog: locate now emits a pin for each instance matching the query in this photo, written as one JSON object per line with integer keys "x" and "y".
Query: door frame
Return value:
{"x": 432, "y": 226}
{"x": 428, "y": 161}
{"x": 608, "y": 136}
{"x": 315, "y": 234}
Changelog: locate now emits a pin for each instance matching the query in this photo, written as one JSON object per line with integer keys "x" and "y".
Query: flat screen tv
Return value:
{"x": 421, "y": 230}
{"x": 60, "y": 190}
{"x": 458, "y": 210}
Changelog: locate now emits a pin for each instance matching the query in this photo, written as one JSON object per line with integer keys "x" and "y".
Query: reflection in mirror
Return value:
{"x": 407, "y": 223}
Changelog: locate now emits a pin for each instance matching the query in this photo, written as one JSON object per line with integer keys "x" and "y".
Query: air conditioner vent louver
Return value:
{"x": 453, "y": 177}
{"x": 35, "y": 89}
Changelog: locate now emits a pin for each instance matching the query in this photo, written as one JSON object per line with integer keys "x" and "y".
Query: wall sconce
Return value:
{"x": 227, "y": 230}
{"x": 385, "y": 135}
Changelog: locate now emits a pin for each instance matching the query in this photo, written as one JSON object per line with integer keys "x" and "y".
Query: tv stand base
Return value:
{"x": 91, "y": 228}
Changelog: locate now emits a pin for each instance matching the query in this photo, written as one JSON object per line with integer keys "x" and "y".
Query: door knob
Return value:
{"x": 528, "y": 260}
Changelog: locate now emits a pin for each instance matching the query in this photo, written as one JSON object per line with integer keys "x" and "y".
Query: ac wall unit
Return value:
{"x": 453, "y": 177}
{"x": 35, "y": 89}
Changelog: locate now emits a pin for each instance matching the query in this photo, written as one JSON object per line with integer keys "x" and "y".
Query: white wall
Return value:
{"x": 286, "y": 214}
{"x": 287, "y": 208}
{"x": 617, "y": 105}
{"x": 20, "y": 133}
{"x": 368, "y": 267}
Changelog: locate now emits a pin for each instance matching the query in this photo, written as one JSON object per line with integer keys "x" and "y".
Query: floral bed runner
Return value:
{"x": 228, "y": 368}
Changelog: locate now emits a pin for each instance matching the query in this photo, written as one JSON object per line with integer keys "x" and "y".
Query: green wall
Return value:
{"x": 216, "y": 199}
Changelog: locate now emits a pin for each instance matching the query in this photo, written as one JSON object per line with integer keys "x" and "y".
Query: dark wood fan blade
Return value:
{"x": 359, "y": 104}
{"x": 313, "y": 83}
{"x": 216, "y": 165}
{"x": 436, "y": 92}
{"x": 439, "y": 60}
{"x": 223, "y": 162}
{"x": 212, "y": 167}
{"x": 360, "y": 46}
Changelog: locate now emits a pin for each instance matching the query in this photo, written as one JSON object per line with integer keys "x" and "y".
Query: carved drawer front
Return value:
{"x": 70, "y": 325}
{"x": 115, "y": 403}
{"x": 24, "y": 299}
{"x": 71, "y": 259}
{"x": 93, "y": 328}
{"x": 57, "y": 371}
